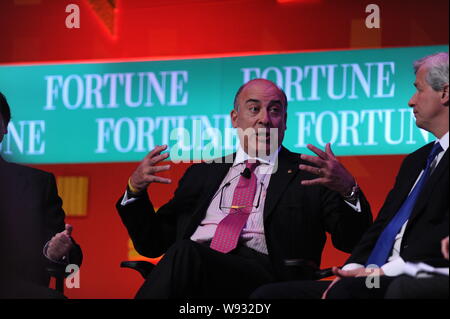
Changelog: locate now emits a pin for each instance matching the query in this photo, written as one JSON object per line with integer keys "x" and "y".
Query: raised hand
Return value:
{"x": 145, "y": 172}
{"x": 331, "y": 173}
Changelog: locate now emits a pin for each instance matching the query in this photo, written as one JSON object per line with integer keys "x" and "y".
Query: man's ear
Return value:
{"x": 234, "y": 116}
{"x": 285, "y": 121}
{"x": 444, "y": 96}
{"x": 3, "y": 128}
{"x": 3, "y": 131}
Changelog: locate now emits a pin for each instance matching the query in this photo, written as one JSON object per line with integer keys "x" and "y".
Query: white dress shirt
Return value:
{"x": 252, "y": 234}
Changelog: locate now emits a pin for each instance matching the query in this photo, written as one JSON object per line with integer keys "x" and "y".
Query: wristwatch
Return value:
{"x": 353, "y": 195}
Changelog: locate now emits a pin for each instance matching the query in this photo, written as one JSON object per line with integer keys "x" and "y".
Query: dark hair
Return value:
{"x": 4, "y": 109}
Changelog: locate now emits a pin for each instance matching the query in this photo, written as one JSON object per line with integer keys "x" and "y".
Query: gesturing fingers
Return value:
{"x": 145, "y": 172}
{"x": 157, "y": 158}
{"x": 313, "y": 170}
{"x": 157, "y": 150}
{"x": 162, "y": 180}
{"x": 68, "y": 229}
{"x": 312, "y": 182}
{"x": 320, "y": 170}
{"x": 157, "y": 169}
{"x": 155, "y": 155}
{"x": 317, "y": 151}
{"x": 313, "y": 159}
{"x": 329, "y": 152}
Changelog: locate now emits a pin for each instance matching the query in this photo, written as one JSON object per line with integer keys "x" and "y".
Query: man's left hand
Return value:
{"x": 358, "y": 272}
{"x": 60, "y": 244}
{"x": 444, "y": 247}
{"x": 331, "y": 172}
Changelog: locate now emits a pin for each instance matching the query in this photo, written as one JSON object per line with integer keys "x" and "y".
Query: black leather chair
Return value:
{"x": 302, "y": 268}
{"x": 142, "y": 267}
{"x": 59, "y": 273}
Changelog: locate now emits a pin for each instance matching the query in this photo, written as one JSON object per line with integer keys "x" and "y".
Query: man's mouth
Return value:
{"x": 263, "y": 136}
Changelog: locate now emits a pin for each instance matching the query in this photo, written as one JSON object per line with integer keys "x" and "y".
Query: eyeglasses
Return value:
{"x": 221, "y": 207}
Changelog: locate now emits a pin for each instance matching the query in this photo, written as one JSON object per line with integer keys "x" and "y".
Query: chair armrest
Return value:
{"x": 143, "y": 267}
{"x": 307, "y": 269}
{"x": 58, "y": 271}
{"x": 324, "y": 273}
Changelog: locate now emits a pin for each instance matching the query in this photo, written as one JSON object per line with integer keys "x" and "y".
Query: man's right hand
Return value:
{"x": 357, "y": 272}
{"x": 444, "y": 247}
{"x": 335, "y": 271}
{"x": 145, "y": 172}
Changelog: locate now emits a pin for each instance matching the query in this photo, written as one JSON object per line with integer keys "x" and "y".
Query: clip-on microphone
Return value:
{"x": 246, "y": 173}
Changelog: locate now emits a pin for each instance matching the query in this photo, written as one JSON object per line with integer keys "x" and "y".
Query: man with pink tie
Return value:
{"x": 233, "y": 223}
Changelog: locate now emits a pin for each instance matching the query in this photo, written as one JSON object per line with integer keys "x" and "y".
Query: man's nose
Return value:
{"x": 264, "y": 117}
{"x": 412, "y": 100}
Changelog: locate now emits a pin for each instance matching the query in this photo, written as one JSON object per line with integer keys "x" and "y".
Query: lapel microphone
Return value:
{"x": 246, "y": 173}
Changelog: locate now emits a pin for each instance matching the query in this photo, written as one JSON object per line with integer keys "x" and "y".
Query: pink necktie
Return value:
{"x": 227, "y": 233}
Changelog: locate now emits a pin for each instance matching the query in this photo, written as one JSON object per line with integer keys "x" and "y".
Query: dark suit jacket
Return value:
{"x": 296, "y": 217}
{"x": 428, "y": 223}
{"x": 30, "y": 215}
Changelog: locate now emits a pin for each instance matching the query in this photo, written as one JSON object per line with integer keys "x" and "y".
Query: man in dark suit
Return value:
{"x": 33, "y": 235}
{"x": 418, "y": 283}
{"x": 233, "y": 224}
{"x": 414, "y": 217}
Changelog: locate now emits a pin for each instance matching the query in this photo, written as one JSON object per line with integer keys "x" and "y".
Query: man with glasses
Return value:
{"x": 233, "y": 224}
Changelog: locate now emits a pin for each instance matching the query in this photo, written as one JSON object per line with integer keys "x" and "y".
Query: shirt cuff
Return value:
{"x": 352, "y": 266}
{"x": 423, "y": 270}
{"x": 356, "y": 207}
{"x": 394, "y": 268}
{"x": 125, "y": 200}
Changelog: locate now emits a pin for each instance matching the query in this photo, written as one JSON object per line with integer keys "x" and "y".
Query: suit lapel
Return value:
{"x": 12, "y": 184}
{"x": 214, "y": 175}
{"x": 286, "y": 170}
{"x": 430, "y": 186}
{"x": 408, "y": 179}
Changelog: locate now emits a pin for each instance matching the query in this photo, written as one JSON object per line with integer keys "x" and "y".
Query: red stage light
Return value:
{"x": 298, "y": 1}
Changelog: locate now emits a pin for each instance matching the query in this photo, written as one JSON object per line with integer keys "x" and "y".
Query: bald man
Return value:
{"x": 234, "y": 223}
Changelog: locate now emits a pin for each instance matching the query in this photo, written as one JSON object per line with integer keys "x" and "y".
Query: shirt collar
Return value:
{"x": 241, "y": 157}
{"x": 444, "y": 142}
